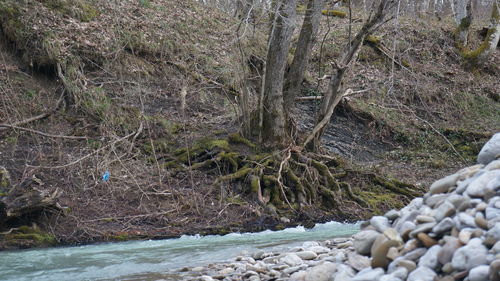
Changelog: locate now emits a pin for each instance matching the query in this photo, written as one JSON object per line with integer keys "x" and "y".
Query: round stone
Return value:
{"x": 490, "y": 151}
{"x": 363, "y": 241}
{"x": 470, "y": 256}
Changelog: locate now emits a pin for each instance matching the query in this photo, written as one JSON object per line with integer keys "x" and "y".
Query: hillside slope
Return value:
{"x": 144, "y": 82}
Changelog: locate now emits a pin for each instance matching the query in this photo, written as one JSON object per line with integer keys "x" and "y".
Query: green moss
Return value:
{"x": 237, "y": 138}
{"x": 380, "y": 202}
{"x": 28, "y": 235}
{"x": 4, "y": 180}
{"x": 80, "y": 10}
{"x": 334, "y": 13}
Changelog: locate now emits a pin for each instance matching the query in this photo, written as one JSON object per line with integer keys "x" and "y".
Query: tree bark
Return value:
{"x": 334, "y": 95}
{"x": 306, "y": 41}
{"x": 274, "y": 132}
{"x": 489, "y": 45}
{"x": 463, "y": 18}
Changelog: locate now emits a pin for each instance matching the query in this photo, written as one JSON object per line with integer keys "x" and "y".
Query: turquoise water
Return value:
{"x": 152, "y": 260}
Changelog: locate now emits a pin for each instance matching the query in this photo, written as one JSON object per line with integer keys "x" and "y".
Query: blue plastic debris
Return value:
{"x": 105, "y": 177}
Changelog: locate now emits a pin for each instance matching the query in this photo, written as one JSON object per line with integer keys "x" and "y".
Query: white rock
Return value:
{"x": 479, "y": 273}
{"x": 340, "y": 257}
{"x": 493, "y": 235}
{"x": 344, "y": 273}
{"x": 392, "y": 214}
{"x": 307, "y": 255}
{"x": 490, "y": 151}
{"x": 492, "y": 213}
{"x": 444, "y": 210}
{"x": 318, "y": 249}
{"x": 380, "y": 223}
{"x": 322, "y": 272}
{"x": 291, "y": 259}
{"x": 299, "y": 276}
{"x": 389, "y": 277}
{"x": 466, "y": 220}
{"x": 363, "y": 241}
{"x": 369, "y": 274}
{"x": 309, "y": 244}
{"x": 400, "y": 273}
{"x": 478, "y": 187}
{"x": 494, "y": 165}
{"x": 444, "y": 184}
{"x": 496, "y": 248}
{"x": 430, "y": 258}
{"x": 433, "y": 200}
{"x": 206, "y": 278}
{"x": 422, "y": 274}
{"x": 445, "y": 225}
{"x": 469, "y": 256}
{"x": 357, "y": 261}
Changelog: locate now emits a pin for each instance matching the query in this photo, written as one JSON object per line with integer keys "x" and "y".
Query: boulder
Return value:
{"x": 363, "y": 241}
{"x": 490, "y": 151}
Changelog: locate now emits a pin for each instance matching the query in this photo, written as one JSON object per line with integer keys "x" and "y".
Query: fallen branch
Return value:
{"x": 131, "y": 217}
{"x": 35, "y": 118}
{"x": 347, "y": 94}
{"x": 42, "y": 133}
{"x": 323, "y": 122}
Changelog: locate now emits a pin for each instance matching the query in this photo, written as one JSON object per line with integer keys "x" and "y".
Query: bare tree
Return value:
{"x": 340, "y": 68}
{"x": 273, "y": 114}
{"x": 305, "y": 43}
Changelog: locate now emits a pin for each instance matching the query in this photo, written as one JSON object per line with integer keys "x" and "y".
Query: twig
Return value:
{"x": 86, "y": 156}
{"x": 42, "y": 133}
{"x": 131, "y": 217}
{"x": 38, "y": 117}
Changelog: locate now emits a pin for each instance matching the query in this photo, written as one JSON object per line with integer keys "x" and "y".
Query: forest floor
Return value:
{"x": 155, "y": 80}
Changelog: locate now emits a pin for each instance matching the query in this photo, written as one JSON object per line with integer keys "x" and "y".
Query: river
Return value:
{"x": 153, "y": 259}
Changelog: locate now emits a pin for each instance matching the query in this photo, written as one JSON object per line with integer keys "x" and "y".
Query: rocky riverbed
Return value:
{"x": 451, "y": 233}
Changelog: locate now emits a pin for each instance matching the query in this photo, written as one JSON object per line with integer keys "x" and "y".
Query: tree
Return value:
{"x": 303, "y": 49}
{"x": 463, "y": 17}
{"x": 340, "y": 68}
{"x": 274, "y": 117}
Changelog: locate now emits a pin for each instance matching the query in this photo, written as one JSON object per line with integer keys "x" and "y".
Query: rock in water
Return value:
{"x": 490, "y": 151}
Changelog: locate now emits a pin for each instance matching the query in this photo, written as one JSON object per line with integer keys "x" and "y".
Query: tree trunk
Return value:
{"x": 274, "y": 132}
{"x": 334, "y": 94}
{"x": 489, "y": 45}
{"x": 306, "y": 41}
{"x": 463, "y": 18}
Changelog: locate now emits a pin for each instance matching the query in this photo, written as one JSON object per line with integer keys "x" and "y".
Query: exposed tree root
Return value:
{"x": 288, "y": 179}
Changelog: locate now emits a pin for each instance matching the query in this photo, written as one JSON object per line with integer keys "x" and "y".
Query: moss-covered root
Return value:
{"x": 26, "y": 237}
{"x": 397, "y": 186}
{"x": 353, "y": 196}
{"x": 334, "y": 13}
{"x": 240, "y": 174}
{"x": 325, "y": 172}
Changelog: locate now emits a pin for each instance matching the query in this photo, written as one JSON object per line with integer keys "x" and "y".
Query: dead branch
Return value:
{"x": 320, "y": 125}
{"x": 42, "y": 133}
{"x": 38, "y": 117}
{"x": 86, "y": 156}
